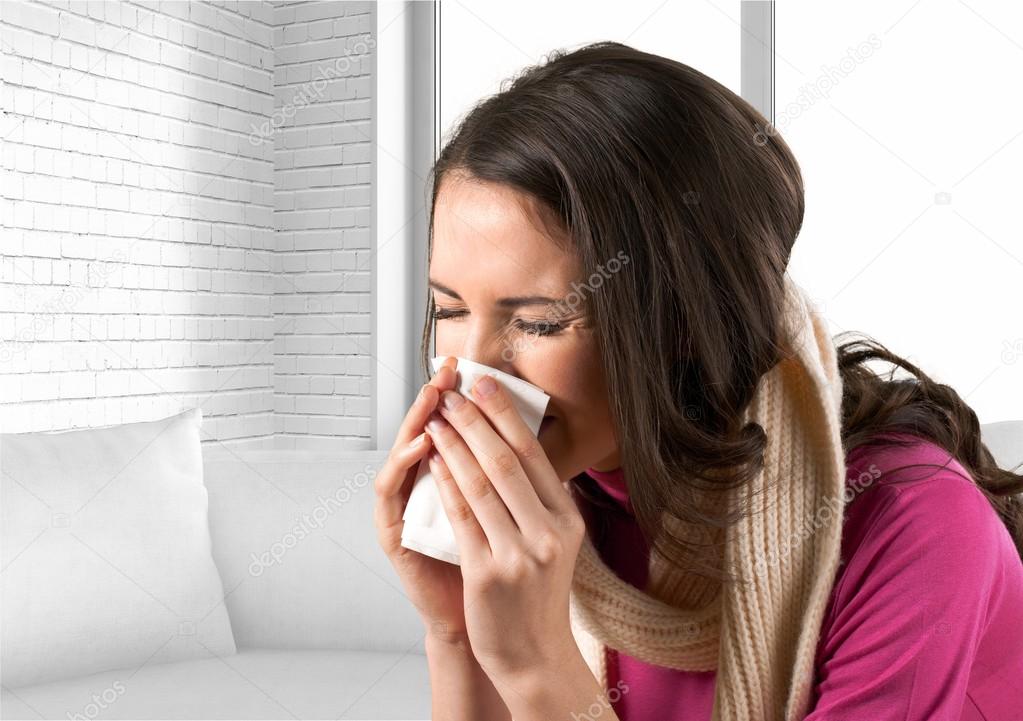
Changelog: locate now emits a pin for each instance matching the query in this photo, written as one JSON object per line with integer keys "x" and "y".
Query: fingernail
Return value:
{"x": 452, "y": 400}
{"x": 436, "y": 424}
{"x": 485, "y": 387}
{"x": 418, "y": 439}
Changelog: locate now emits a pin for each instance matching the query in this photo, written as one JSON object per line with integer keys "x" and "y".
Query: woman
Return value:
{"x": 614, "y": 227}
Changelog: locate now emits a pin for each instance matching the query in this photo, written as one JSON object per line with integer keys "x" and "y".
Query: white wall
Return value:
{"x": 141, "y": 210}
{"x": 138, "y": 220}
{"x": 322, "y": 171}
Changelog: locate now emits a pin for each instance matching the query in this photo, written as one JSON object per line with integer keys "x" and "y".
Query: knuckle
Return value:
{"x": 469, "y": 415}
{"x": 547, "y": 548}
{"x": 499, "y": 403}
{"x": 384, "y": 481}
{"x": 401, "y": 558}
{"x": 442, "y": 437}
{"x": 390, "y": 463}
{"x": 442, "y": 473}
{"x": 377, "y": 521}
{"x": 572, "y": 523}
{"x": 530, "y": 449}
{"x": 461, "y": 512}
{"x": 479, "y": 486}
{"x": 385, "y": 535}
{"x": 385, "y": 542}
{"x": 505, "y": 462}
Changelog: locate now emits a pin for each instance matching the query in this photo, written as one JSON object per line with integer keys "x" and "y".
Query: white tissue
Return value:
{"x": 427, "y": 528}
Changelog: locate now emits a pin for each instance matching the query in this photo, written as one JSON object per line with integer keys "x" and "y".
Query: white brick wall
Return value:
{"x": 322, "y": 150}
{"x": 142, "y": 267}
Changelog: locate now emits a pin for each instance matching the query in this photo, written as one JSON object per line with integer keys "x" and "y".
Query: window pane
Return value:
{"x": 483, "y": 43}
{"x": 908, "y": 134}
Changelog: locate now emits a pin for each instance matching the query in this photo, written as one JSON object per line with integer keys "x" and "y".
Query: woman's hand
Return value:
{"x": 433, "y": 586}
{"x": 518, "y": 532}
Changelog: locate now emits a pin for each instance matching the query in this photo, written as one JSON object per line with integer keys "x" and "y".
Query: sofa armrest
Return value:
{"x": 1005, "y": 441}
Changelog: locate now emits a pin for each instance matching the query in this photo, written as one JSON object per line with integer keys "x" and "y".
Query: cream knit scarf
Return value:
{"x": 759, "y": 635}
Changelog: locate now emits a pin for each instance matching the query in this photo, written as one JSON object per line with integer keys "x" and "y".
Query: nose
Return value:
{"x": 489, "y": 358}
{"x": 489, "y": 349}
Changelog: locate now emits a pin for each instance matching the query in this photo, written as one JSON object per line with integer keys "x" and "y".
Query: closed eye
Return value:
{"x": 538, "y": 328}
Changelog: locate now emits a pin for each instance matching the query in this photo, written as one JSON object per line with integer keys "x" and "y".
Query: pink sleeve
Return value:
{"x": 910, "y": 606}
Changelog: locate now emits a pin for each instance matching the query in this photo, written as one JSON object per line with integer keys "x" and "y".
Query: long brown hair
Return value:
{"x": 636, "y": 153}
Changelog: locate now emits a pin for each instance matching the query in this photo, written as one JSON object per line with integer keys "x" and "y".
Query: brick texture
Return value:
{"x": 322, "y": 172}
{"x": 186, "y": 218}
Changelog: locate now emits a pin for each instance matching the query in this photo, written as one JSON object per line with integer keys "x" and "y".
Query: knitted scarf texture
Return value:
{"x": 760, "y": 633}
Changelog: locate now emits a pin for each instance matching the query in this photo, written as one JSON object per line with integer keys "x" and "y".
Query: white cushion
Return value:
{"x": 106, "y": 551}
{"x": 253, "y": 684}
{"x": 294, "y": 540}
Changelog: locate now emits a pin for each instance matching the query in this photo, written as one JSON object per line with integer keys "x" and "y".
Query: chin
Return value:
{"x": 547, "y": 432}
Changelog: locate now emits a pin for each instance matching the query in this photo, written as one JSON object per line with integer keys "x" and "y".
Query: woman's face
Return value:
{"x": 495, "y": 276}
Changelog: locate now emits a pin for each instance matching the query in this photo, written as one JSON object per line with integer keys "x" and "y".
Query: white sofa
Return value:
{"x": 322, "y": 627}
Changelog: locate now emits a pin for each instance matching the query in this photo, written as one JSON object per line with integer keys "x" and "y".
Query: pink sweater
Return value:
{"x": 925, "y": 620}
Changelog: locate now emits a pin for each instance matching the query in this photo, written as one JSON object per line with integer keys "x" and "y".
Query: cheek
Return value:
{"x": 447, "y": 337}
{"x": 574, "y": 377}
{"x": 584, "y": 430}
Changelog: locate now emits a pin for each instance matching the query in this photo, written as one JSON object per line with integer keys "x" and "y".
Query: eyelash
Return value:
{"x": 543, "y": 328}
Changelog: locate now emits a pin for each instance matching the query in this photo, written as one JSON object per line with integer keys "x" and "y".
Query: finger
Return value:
{"x": 498, "y": 408}
{"x": 498, "y": 461}
{"x": 389, "y": 505}
{"x": 473, "y": 544}
{"x": 408, "y": 450}
{"x": 484, "y": 500}
{"x": 426, "y": 401}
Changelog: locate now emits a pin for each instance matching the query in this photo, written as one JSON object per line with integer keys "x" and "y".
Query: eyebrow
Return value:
{"x": 513, "y": 302}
